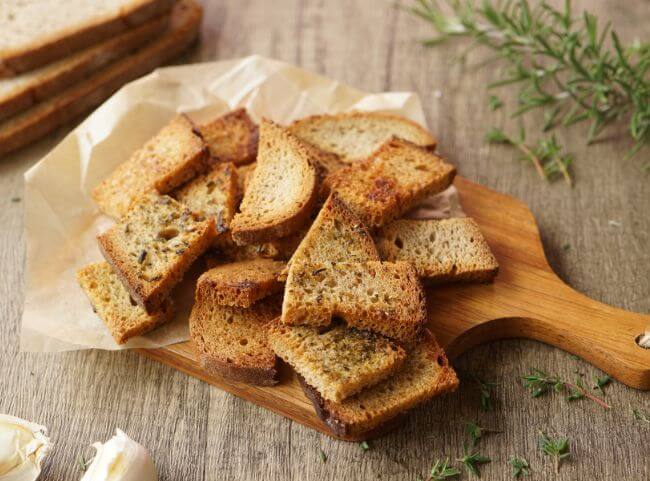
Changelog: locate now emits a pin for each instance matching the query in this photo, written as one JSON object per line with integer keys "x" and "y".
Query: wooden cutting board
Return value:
{"x": 527, "y": 300}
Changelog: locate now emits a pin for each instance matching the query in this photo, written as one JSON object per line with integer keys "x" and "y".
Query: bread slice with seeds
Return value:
{"x": 241, "y": 284}
{"x": 355, "y": 136}
{"x": 232, "y": 137}
{"x": 282, "y": 190}
{"x": 113, "y": 304}
{"x": 153, "y": 246}
{"x": 232, "y": 341}
{"x": 338, "y": 362}
{"x": 425, "y": 374}
{"x": 383, "y": 297}
{"x": 173, "y": 156}
{"x": 214, "y": 195}
{"x": 390, "y": 182}
{"x": 440, "y": 250}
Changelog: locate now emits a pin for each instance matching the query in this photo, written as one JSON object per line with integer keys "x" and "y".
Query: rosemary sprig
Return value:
{"x": 495, "y": 102}
{"x": 558, "y": 449}
{"x": 641, "y": 416}
{"x": 520, "y": 467}
{"x": 540, "y": 382}
{"x": 322, "y": 456}
{"x": 546, "y": 155}
{"x": 485, "y": 390}
{"x": 475, "y": 431}
{"x": 561, "y": 62}
{"x": 600, "y": 382}
{"x": 441, "y": 471}
{"x": 364, "y": 446}
{"x": 471, "y": 461}
{"x": 82, "y": 462}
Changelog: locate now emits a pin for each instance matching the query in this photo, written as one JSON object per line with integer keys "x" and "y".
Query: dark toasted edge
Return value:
{"x": 246, "y": 374}
{"x": 150, "y": 298}
{"x": 337, "y": 427}
{"x": 69, "y": 41}
{"x": 42, "y": 118}
{"x": 484, "y": 276}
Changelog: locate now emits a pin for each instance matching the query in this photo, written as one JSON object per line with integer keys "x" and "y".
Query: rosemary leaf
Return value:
{"x": 520, "y": 467}
{"x": 558, "y": 449}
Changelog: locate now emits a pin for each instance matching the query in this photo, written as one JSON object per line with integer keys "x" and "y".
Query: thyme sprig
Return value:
{"x": 441, "y": 471}
{"x": 563, "y": 63}
{"x": 475, "y": 431}
{"x": 520, "y": 467}
{"x": 540, "y": 382}
{"x": 558, "y": 449}
{"x": 485, "y": 391}
{"x": 472, "y": 460}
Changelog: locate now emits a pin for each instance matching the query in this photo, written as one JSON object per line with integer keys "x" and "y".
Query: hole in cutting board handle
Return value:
{"x": 643, "y": 340}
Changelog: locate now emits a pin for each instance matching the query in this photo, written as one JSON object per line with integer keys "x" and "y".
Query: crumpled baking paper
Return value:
{"x": 61, "y": 221}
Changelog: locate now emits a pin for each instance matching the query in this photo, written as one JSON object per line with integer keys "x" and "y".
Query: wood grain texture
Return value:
{"x": 197, "y": 432}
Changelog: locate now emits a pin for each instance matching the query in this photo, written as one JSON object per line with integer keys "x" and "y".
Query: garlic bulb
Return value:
{"x": 23, "y": 446}
{"x": 120, "y": 459}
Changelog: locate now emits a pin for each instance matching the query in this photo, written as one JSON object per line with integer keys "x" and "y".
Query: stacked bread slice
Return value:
{"x": 60, "y": 59}
{"x": 308, "y": 259}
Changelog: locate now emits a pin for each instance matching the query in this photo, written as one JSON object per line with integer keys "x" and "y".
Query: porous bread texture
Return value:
{"x": 354, "y": 136}
{"x": 425, "y": 374}
{"x": 36, "y": 32}
{"x": 382, "y": 297}
{"x": 336, "y": 235}
{"x": 282, "y": 190}
{"x": 153, "y": 246}
{"x": 232, "y": 137}
{"x": 440, "y": 250}
{"x": 21, "y": 92}
{"x": 173, "y": 156}
{"x": 390, "y": 182}
{"x": 338, "y": 362}
{"x": 232, "y": 341}
{"x": 243, "y": 178}
{"x": 113, "y": 304}
{"x": 81, "y": 97}
{"x": 214, "y": 195}
{"x": 241, "y": 284}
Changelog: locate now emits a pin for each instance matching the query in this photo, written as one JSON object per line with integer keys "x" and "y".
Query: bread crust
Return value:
{"x": 50, "y": 81}
{"x": 246, "y": 231}
{"x": 245, "y": 374}
{"x": 46, "y": 116}
{"x": 64, "y": 42}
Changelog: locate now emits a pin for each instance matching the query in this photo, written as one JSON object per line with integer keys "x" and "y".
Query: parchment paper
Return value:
{"x": 61, "y": 222}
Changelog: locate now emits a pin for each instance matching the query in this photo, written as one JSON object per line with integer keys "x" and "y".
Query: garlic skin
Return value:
{"x": 23, "y": 446}
{"x": 120, "y": 459}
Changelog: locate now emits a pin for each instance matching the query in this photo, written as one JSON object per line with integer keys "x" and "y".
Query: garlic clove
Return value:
{"x": 23, "y": 447}
{"x": 120, "y": 459}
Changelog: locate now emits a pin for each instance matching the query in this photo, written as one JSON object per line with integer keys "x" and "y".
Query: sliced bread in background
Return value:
{"x": 425, "y": 374}
{"x": 21, "y": 92}
{"x": 36, "y": 32}
{"x": 337, "y": 362}
{"x": 176, "y": 154}
{"x": 153, "y": 246}
{"x": 232, "y": 137}
{"x": 241, "y": 284}
{"x": 391, "y": 181}
{"x": 440, "y": 250}
{"x": 114, "y": 305}
{"x": 354, "y": 136}
{"x": 232, "y": 341}
{"x": 282, "y": 190}
{"x": 382, "y": 297}
{"x": 78, "y": 99}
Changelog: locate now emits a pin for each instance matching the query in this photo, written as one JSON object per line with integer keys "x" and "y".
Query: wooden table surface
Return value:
{"x": 596, "y": 236}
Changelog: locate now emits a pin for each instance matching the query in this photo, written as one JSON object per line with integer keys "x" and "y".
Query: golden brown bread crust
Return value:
{"x": 52, "y": 80}
{"x": 45, "y": 50}
{"x": 150, "y": 293}
{"x": 46, "y": 116}
{"x": 352, "y": 420}
{"x": 232, "y": 137}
